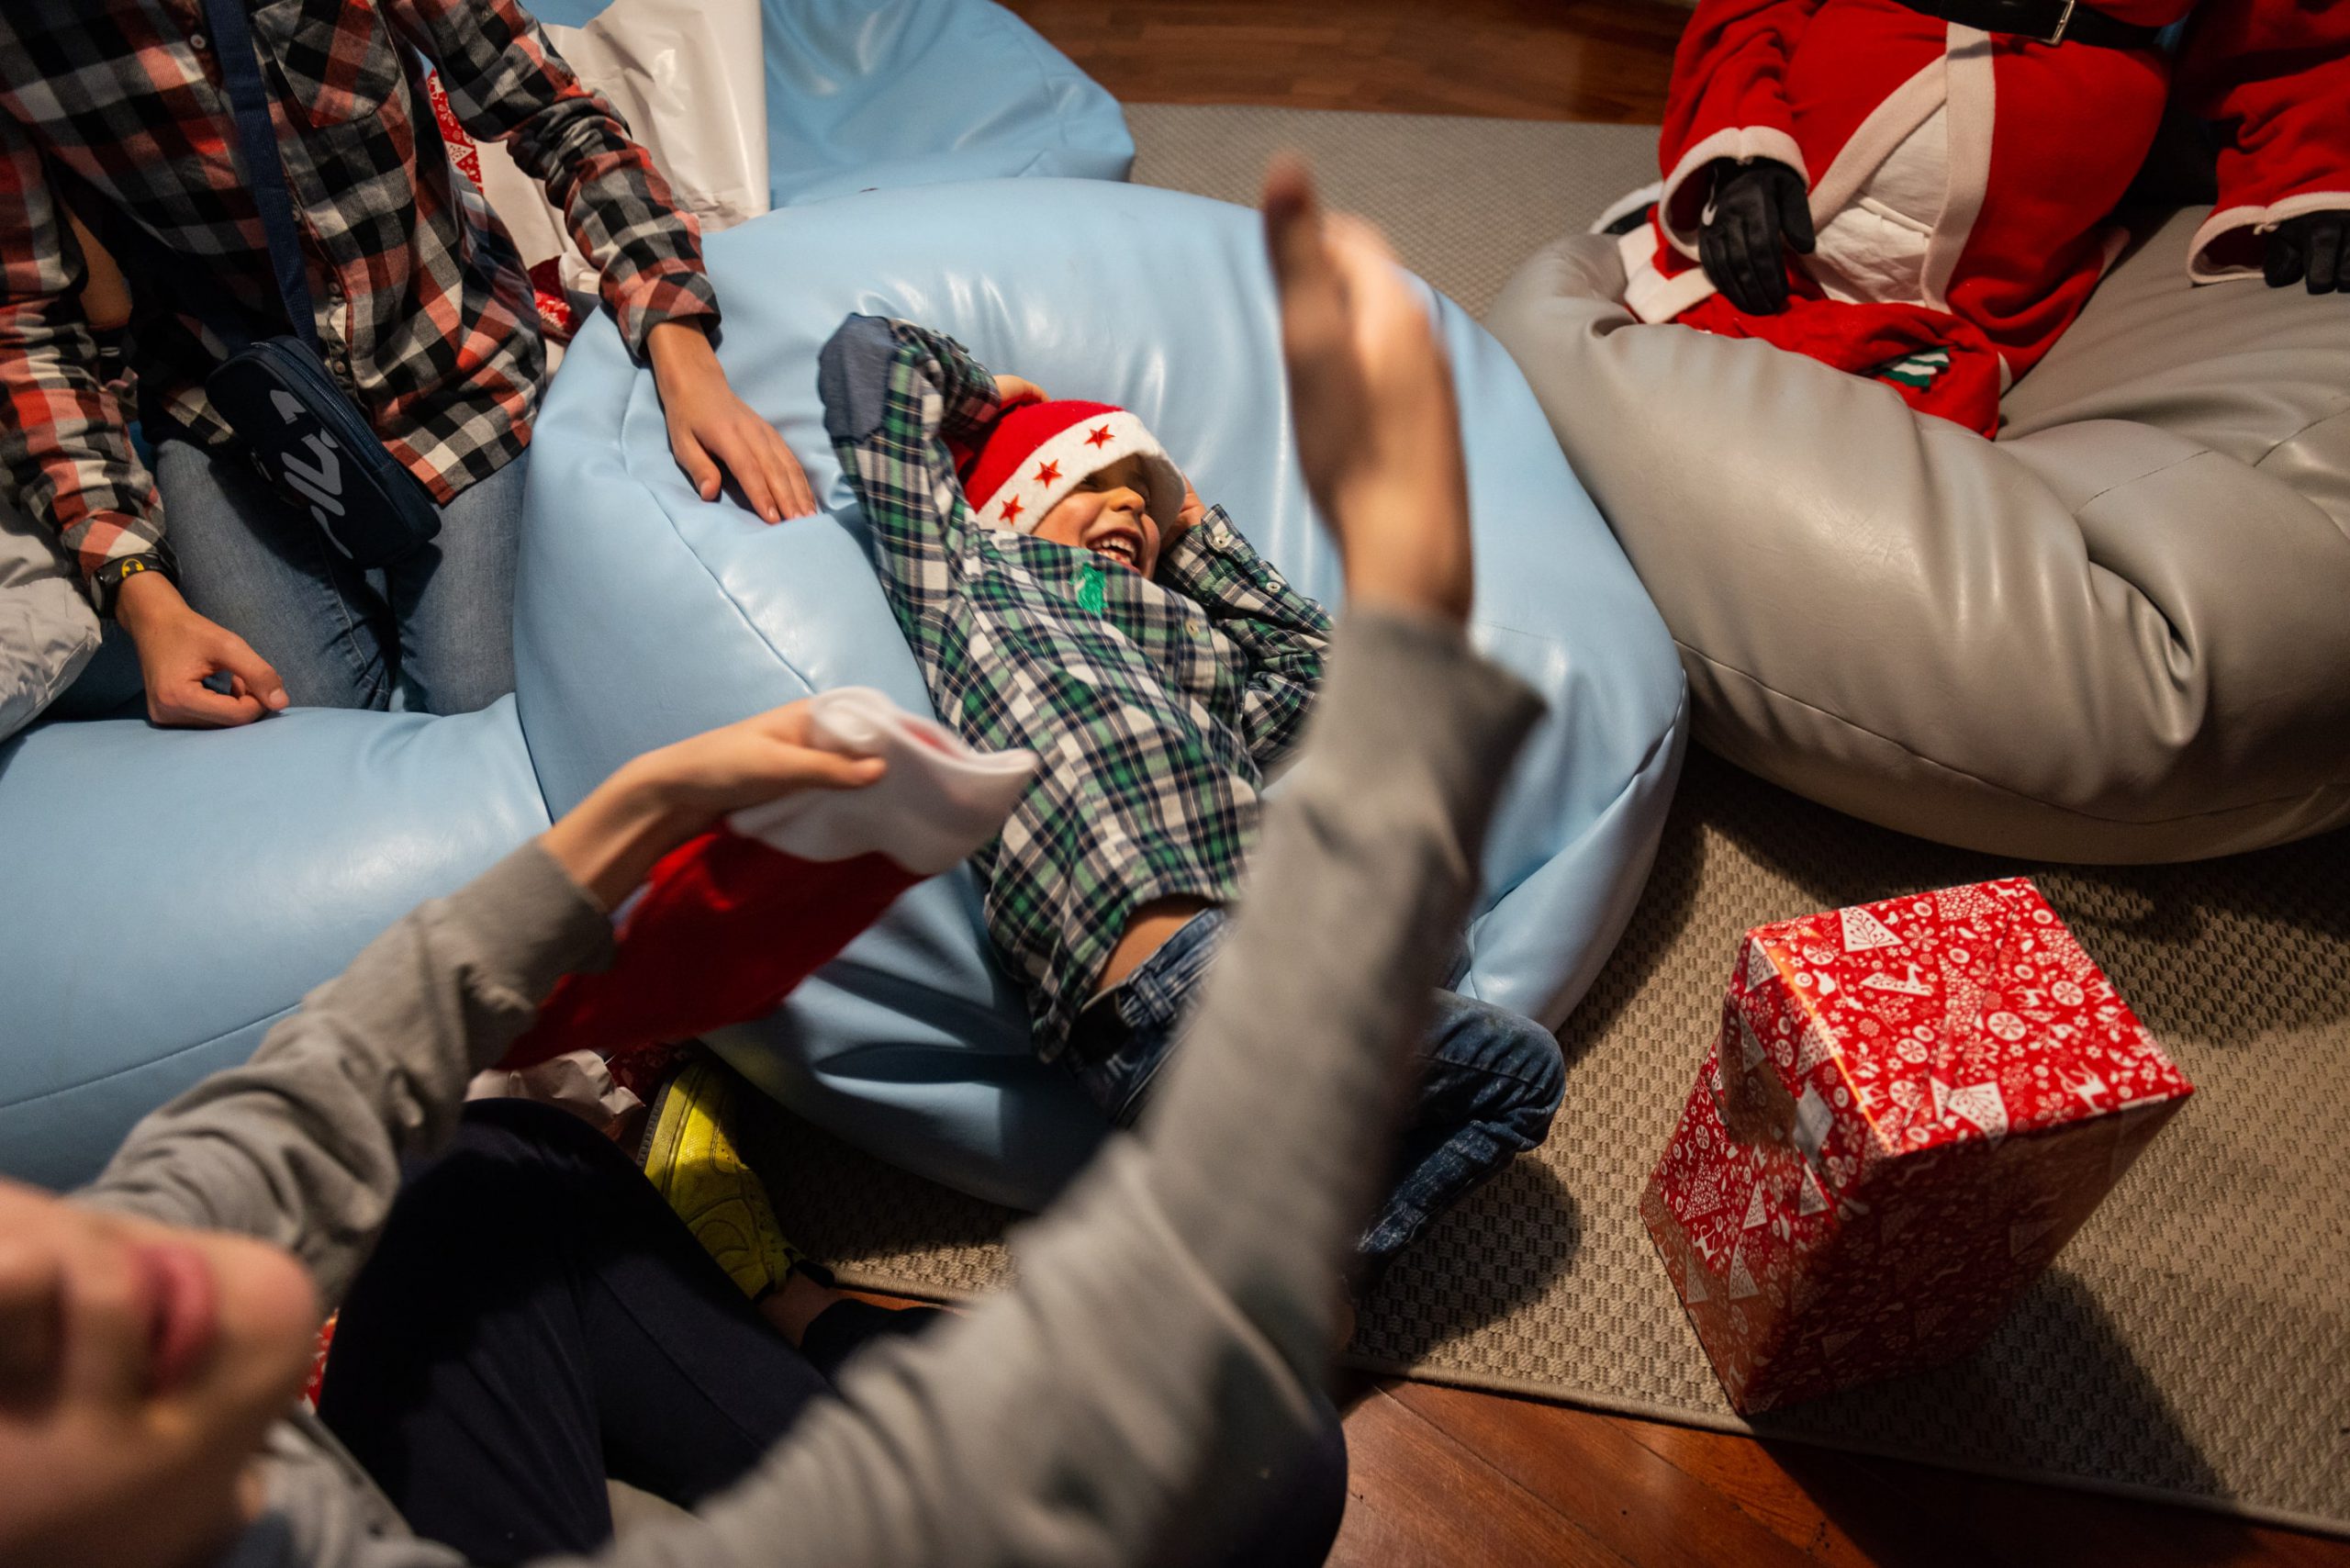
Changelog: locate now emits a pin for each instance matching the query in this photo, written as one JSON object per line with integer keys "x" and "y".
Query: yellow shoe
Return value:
{"x": 691, "y": 1163}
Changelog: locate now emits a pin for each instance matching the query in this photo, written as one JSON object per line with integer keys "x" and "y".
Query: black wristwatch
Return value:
{"x": 105, "y": 583}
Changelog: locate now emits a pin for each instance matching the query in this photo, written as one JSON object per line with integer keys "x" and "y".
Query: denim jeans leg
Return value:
{"x": 453, "y": 599}
{"x": 1153, "y": 1004}
{"x": 254, "y": 564}
{"x": 1490, "y": 1081}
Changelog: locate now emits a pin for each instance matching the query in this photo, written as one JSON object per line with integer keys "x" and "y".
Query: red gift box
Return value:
{"x": 1911, "y": 1107}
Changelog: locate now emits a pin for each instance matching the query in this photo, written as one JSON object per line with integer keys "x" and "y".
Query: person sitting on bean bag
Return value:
{"x": 1919, "y": 190}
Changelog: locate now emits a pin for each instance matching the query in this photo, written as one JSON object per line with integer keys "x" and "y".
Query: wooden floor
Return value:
{"x": 1447, "y": 1478}
{"x": 1586, "y": 60}
{"x": 1444, "y": 1478}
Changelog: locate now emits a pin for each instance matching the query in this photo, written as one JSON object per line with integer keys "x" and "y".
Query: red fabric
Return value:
{"x": 1729, "y": 73}
{"x": 1860, "y": 338}
{"x": 725, "y": 929}
{"x": 2278, "y": 75}
{"x": 557, "y": 319}
{"x": 317, "y": 1378}
{"x": 1909, "y": 1108}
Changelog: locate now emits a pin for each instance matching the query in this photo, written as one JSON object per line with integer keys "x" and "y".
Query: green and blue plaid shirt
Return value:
{"x": 1158, "y": 704}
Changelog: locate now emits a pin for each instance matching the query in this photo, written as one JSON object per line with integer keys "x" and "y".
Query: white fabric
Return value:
{"x": 2233, "y": 242}
{"x": 1873, "y": 249}
{"x": 1626, "y": 205}
{"x": 47, "y": 631}
{"x": 939, "y": 801}
{"x": 1647, "y": 293}
{"x": 577, "y": 1081}
{"x": 1071, "y": 457}
{"x": 689, "y": 78}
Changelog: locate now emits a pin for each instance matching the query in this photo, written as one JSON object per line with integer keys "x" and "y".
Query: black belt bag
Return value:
{"x": 2043, "y": 21}
{"x": 304, "y": 436}
{"x": 310, "y": 444}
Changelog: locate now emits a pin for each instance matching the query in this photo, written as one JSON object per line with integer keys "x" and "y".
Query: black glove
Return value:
{"x": 1758, "y": 211}
{"x": 1636, "y": 218}
{"x": 2315, "y": 246}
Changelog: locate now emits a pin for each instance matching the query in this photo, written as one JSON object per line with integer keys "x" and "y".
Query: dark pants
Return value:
{"x": 536, "y": 1319}
{"x": 1488, "y": 1082}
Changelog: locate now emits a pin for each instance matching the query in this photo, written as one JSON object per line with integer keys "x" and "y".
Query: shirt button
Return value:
{"x": 198, "y": 43}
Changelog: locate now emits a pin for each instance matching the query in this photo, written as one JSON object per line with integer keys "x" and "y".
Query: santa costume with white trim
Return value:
{"x": 1962, "y": 181}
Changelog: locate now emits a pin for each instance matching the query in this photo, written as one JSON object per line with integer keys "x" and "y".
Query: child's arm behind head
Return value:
{"x": 899, "y": 401}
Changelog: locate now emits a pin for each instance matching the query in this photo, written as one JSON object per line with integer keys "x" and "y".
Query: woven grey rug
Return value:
{"x": 1463, "y": 200}
{"x": 2192, "y": 1341}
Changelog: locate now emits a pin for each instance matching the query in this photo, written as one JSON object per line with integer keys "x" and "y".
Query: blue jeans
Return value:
{"x": 436, "y": 626}
{"x": 1488, "y": 1081}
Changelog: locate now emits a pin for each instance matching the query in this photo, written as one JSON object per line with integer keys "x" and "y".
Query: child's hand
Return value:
{"x": 748, "y": 763}
{"x": 1185, "y": 520}
{"x": 611, "y": 840}
{"x": 1014, "y": 390}
{"x": 1378, "y": 431}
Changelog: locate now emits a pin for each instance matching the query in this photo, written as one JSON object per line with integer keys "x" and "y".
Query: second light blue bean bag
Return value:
{"x": 879, "y": 94}
{"x": 646, "y": 614}
{"x": 866, "y": 97}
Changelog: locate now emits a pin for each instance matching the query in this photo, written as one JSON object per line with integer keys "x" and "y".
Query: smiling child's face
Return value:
{"x": 140, "y": 1367}
{"x": 1107, "y": 514}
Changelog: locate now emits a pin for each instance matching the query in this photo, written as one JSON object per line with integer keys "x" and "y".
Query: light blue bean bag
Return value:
{"x": 163, "y": 898}
{"x": 646, "y": 614}
{"x": 167, "y": 895}
{"x": 877, "y": 94}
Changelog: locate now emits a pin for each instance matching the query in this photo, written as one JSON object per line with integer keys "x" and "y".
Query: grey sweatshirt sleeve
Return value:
{"x": 1173, "y": 1311}
{"x": 302, "y": 1145}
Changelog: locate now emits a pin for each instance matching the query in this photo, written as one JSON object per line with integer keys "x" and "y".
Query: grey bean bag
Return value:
{"x": 2121, "y": 632}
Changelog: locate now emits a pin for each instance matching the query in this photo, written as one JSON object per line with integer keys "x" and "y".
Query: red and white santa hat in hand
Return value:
{"x": 1037, "y": 452}
{"x": 729, "y": 923}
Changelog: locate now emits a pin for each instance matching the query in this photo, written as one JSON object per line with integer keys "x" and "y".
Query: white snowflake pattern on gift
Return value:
{"x": 1864, "y": 931}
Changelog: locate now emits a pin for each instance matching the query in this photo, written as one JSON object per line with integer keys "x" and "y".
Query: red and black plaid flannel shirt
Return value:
{"x": 423, "y": 309}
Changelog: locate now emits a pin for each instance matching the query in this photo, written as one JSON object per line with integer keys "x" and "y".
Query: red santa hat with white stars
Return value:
{"x": 1038, "y": 453}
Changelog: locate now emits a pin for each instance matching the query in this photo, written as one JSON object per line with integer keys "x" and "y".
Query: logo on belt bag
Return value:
{"x": 321, "y": 479}
{"x": 310, "y": 444}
